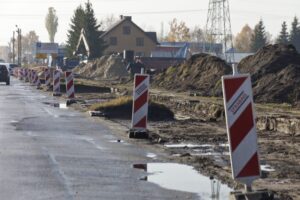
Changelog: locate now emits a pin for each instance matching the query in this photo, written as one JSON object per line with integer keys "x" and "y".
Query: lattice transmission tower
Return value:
{"x": 218, "y": 30}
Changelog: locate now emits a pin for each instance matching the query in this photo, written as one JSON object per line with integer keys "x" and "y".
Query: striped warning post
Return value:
{"x": 26, "y": 74}
{"x": 31, "y": 76}
{"x": 241, "y": 128}
{"x": 47, "y": 77}
{"x": 70, "y": 85}
{"x": 20, "y": 73}
{"x": 140, "y": 101}
{"x": 56, "y": 83}
{"x": 36, "y": 79}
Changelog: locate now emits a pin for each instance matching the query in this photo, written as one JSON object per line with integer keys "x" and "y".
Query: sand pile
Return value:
{"x": 106, "y": 67}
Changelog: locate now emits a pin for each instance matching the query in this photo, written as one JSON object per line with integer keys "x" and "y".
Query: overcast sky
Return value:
{"x": 30, "y": 14}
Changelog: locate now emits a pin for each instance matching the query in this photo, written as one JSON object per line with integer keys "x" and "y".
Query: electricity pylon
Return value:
{"x": 218, "y": 29}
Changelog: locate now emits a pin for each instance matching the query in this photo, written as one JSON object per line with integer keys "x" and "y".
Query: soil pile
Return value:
{"x": 275, "y": 71}
{"x": 106, "y": 67}
{"x": 201, "y": 73}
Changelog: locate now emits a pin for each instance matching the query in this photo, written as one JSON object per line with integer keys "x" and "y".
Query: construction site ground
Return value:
{"x": 202, "y": 142}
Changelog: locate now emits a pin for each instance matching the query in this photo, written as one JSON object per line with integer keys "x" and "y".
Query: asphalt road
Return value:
{"x": 53, "y": 153}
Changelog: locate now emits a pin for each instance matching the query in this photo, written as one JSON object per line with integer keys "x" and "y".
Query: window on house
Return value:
{"x": 113, "y": 41}
{"x": 140, "y": 42}
{"x": 126, "y": 30}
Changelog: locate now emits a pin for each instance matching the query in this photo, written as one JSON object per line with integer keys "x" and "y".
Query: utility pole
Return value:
{"x": 218, "y": 29}
{"x": 13, "y": 48}
{"x": 19, "y": 46}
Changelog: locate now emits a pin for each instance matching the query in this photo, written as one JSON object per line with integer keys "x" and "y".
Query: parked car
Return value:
{"x": 4, "y": 74}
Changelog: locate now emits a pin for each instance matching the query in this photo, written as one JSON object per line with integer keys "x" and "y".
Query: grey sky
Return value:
{"x": 30, "y": 14}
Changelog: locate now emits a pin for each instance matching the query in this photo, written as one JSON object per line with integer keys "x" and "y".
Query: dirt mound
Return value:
{"x": 106, "y": 67}
{"x": 201, "y": 73}
{"x": 275, "y": 71}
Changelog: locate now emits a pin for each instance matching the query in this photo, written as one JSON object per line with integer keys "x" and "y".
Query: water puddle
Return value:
{"x": 202, "y": 149}
{"x": 116, "y": 141}
{"x": 184, "y": 178}
{"x": 191, "y": 146}
{"x": 151, "y": 155}
{"x": 57, "y": 105}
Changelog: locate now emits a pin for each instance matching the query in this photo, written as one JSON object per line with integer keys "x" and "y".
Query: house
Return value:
{"x": 126, "y": 35}
{"x": 184, "y": 49}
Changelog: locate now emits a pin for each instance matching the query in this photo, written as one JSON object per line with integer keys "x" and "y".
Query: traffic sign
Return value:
{"x": 140, "y": 101}
{"x": 241, "y": 128}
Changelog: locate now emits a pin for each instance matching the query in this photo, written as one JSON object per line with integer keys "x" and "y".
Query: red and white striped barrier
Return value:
{"x": 241, "y": 128}
{"x": 25, "y": 74}
{"x": 20, "y": 73}
{"x": 31, "y": 76}
{"x": 56, "y": 83}
{"x": 36, "y": 79}
{"x": 69, "y": 85}
{"x": 140, "y": 102}
{"x": 47, "y": 77}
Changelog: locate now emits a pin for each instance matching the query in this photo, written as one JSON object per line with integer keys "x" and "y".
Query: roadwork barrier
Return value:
{"x": 56, "y": 83}
{"x": 69, "y": 79}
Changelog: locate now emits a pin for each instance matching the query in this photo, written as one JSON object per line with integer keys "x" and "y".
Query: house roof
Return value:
{"x": 151, "y": 35}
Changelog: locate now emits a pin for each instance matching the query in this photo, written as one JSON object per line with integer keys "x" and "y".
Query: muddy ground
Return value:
{"x": 204, "y": 143}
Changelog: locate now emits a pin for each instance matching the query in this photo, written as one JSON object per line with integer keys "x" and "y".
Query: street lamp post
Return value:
{"x": 19, "y": 46}
{"x": 13, "y": 48}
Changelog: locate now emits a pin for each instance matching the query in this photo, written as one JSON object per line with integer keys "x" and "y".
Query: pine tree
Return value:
{"x": 97, "y": 45}
{"x": 77, "y": 23}
{"x": 295, "y": 34}
{"x": 259, "y": 38}
{"x": 84, "y": 18}
{"x": 283, "y": 38}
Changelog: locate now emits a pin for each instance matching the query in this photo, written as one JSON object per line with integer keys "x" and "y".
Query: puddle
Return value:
{"x": 203, "y": 149}
{"x": 57, "y": 105}
{"x": 183, "y": 145}
{"x": 63, "y": 106}
{"x": 151, "y": 155}
{"x": 184, "y": 178}
{"x": 116, "y": 141}
{"x": 267, "y": 168}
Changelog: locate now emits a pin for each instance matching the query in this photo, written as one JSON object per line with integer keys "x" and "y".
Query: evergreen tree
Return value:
{"x": 77, "y": 23}
{"x": 295, "y": 34}
{"x": 97, "y": 45}
{"x": 283, "y": 38}
{"x": 259, "y": 38}
{"x": 84, "y": 18}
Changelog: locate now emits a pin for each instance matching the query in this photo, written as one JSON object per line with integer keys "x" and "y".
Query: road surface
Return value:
{"x": 52, "y": 153}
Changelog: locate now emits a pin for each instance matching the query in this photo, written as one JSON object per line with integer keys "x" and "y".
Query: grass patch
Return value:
{"x": 121, "y": 108}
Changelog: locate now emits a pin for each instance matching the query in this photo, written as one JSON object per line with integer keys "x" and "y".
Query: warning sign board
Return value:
{"x": 241, "y": 128}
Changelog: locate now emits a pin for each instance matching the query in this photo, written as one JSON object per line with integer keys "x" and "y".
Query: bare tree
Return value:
{"x": 197, "y": 34}
{"x": 179, "y": 32}
{"x": 108, "y": 21}
{"x": 51, "y": 22}
{"x": 243, "y": 39}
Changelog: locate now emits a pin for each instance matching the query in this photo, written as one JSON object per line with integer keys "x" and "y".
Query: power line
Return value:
{"x": 126, "y": 13}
